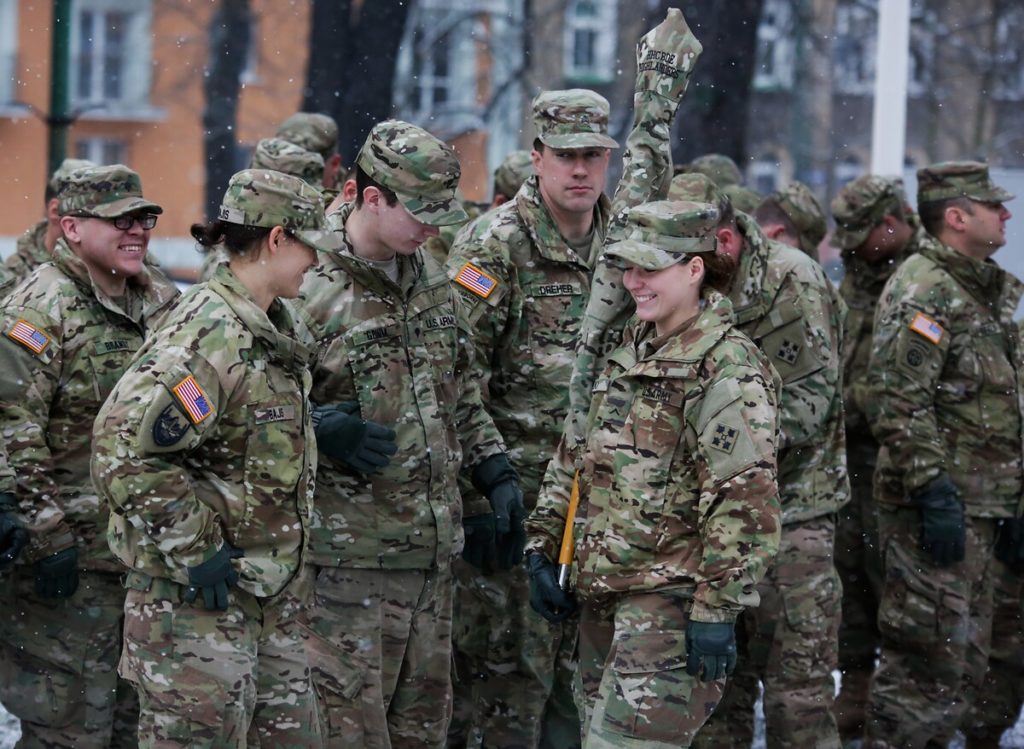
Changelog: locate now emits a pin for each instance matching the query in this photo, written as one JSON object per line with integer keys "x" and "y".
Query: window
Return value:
{"x": 773, "y": 66}
{"x": 590, "y": 34}
{"x": 856, "y": 32}
{"x": 847, "y": 170}
{"x": 102, "y": 150}
{"x": 110, "y": 54}
{"x": 8, "y": 50}
{"x": 764, "y": 174}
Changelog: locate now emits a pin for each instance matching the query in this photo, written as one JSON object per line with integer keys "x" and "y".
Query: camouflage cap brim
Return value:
{"x": 643, "y": 255}
{"x": 848, "y": 239}
{"x": 995, "y": 195}
{"x": 121, "y": 207}
{"x": 578, "y": 140}
{"x": 434, "y": 212}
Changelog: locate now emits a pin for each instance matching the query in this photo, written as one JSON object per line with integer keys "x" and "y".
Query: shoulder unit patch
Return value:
{"x": 474, "y": 279}
{"x": 29, "y": 336}
{"x": 192, "y": 399}
{"x": 927, "y": 327}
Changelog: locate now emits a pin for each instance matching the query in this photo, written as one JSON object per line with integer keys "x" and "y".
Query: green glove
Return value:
{"x": 666, "y": 56}
{"x": 213, "y": 577}
{"x": 546, "y": 597}
{"x": 479, "y": 548}
{"x": 343, "y": 435}
{"x": 710, "y": 649}
{"x": 13, "y": 536}
{"x": 1010, "y": 543}
{"x": 942, "y": 522}
{"x": 498, "y": 481}
{"x": 57, "y": 575}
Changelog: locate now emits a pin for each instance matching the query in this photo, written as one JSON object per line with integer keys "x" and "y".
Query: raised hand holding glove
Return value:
{"x": 943, "y": 534}
{"x": 57, "y": 575}
{"x": 343, "y": 435}
{"x": 666, "y": 56}
{"x": 13, "y": 536}
{"x": 1010, "y": 543}
{"x": 213, "y": 577}
{"x": 546, "y": 597}
{"x": 479, "y": 548}
{"x": 710, "y": 649}
{"x": 496, "y": 479}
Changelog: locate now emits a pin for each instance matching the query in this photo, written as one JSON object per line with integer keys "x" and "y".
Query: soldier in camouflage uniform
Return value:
{"x": 679, "y": 514}
{"x": 783, "y": 301}
{"x": 317, "y": 133}
{"x": 35, "y": 246}
{"x": 717, "y": 167}
{"x": 69, "y": 331}
{"x": 540, "y": 249}
{"x": 944, "y": 403}
{"x": 402, "y": 418}
{"x": 793, "y": 216}
{"x": 205, "y": 453}
{"x": 875, "y": 234}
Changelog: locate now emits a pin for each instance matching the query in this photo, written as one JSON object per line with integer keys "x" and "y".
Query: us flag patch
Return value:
{"x": 192, "y": 399}
{"x": 476, "y": 280}
{"x": 927, "y": 327}
{"x": 29, "y": 336}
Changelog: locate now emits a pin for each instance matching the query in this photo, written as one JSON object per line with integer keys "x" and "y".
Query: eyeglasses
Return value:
{"x": 124, "y": 223}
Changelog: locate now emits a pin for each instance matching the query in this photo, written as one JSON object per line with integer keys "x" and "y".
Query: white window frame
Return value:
{"x": 137, "y": 41}
{"x": 857, "y": 23}
{"x": 102, "y": 149}
{"x": 603, "y": 24}
{"x": 8, "y": 51}
{"x": 774, "y": 44}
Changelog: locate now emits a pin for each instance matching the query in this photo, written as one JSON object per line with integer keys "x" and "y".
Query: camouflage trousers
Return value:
{"x": 632, "y": 676}
{"x": 218, "y": 679}
{"x": 514, "y": 669}
{"x": 998, "y": 703}
{"x": 858, "y": 560}
{"x": 789, "y": 642}
{"x": 58, "y": 664}
{"x": 936, "y": 625}
{"x": 379, "y": 644}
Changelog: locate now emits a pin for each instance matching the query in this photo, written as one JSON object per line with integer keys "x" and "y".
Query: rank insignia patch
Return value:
{"x": 724, "y": 438}
{"x": 927, "y": 327}
{"x": 474, "y": 279}
{"x": 29, "y": 336}
{"x": 192, "y": 399}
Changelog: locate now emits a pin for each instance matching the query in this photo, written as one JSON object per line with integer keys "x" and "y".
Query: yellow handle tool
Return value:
{"x": 565, "y": 552}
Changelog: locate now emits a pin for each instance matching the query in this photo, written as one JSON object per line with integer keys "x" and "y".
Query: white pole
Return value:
{"x": 889, "y": 126}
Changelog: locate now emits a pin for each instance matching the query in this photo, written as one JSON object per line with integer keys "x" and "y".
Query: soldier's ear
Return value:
{"x": 69, "y": 228}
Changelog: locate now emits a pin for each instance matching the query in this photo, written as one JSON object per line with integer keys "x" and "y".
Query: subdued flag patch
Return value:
{"x": 474, "y": 279}
{"x": 192, "y": 399}
{"x": 927, "y": 327}
{"x": 29, "y": 336}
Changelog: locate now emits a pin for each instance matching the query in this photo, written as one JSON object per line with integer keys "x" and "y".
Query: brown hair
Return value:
{"x": 364, "y": 180}
{"x": 236, "y": 238}
{"x": 719, "y": 270}
{"x": 933, "y": 213}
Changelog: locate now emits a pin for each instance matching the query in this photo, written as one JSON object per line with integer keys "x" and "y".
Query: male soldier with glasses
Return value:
{"x": 67, "y": 333}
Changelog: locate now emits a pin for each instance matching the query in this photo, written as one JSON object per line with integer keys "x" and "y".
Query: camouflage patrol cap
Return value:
{"x": 265, "y": 198}
{"x": 312, "y": 131}
{"x": 720, "y": 168}
{"x": 861, "y": 205}
{"x": 64, "y": 170}
{"x": 103, "y": 192}
{"x": 958, "y": 179}
{"x": 573, "y": 118}
{"x": 802, "y": 208}
{"x": 660, "y": 234}
{"x": 422, "y": 170}
{"x": 742, "y": 198}
{"x": 513, "y": 172}
{"x": 698, "y": 188}
{"x": 281, "y": 155}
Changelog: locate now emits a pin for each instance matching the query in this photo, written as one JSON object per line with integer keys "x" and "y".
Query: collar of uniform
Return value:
{"x": 690, "y": 342}
{"x": 545, "y": 234}
{"x": 65, "y": 259}
{"x": 31, "y": 246}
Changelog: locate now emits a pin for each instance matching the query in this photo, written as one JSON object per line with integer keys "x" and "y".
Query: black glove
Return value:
{"x": 57, "y": 575}
{"x": 479, "y": 548}
{"x": 710, "y": 649}
{"x": 343, "y": 435}
{"x": 13, "y": 536}
{"x": 1010, "y": 543}
{"x": 546, "y": 597}
{"x": 496, "y": 479}
{"x": 942, "y": 522}
{"x": 214, "y": 577}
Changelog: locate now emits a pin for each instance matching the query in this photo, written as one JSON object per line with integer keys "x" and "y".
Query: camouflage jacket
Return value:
{"x": 207, "y": 438}
{"x": 402, "y": 351}
{"x": 786, "y": 305}
{"x": 7, "y": 281}
{"x": 945, "y": 381}
{"x": 6, "y": 472}
{"x": 861, "y": 287}
{"x": 30, "y": 251}
{"x": 678, "y": 482}
{"x": 525, "y": 329}
{"x": 65, "y": 344}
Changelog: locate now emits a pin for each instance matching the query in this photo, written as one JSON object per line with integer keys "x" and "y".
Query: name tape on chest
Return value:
{"x": 192, "y": 399}
{"x": 29, "y": 336}
{"x": 927, "y": 327}
{"x": 473, "y": 278}
{"x": 274, "y": 413}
